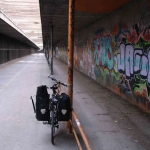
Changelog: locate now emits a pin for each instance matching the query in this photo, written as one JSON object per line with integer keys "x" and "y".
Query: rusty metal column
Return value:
{"x": 70, "y": 53}
{"x": 48, "y": 48}
{"x": 52, "y": 49}
{"x": 45, "y": 48}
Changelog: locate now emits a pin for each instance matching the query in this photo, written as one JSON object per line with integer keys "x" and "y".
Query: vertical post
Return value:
{"x": 70, "y": 53}
{"x": 48, "y": 48}
{"x": 52, "y": 49}
{"x": 45, "y": 48}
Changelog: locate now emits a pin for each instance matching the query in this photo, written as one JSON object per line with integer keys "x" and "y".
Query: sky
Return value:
{"x": 26, "y": 15}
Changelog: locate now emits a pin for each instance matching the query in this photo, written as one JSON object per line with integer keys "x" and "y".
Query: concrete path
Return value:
{"x": 110, "y": 122}
{"x": 19, "y": 129}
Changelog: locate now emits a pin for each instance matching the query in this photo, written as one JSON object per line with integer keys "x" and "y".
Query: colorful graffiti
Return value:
{"x": 133, "y": 55}
{"x": 124, "y": 86}
{"x": 104, "y": 58}
{"x": 118, "y": 58}
{"x": 103, "y": 53}
{"x": 132, "y": 61}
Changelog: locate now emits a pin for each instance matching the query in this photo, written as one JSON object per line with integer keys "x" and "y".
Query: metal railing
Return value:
{"x": 72, "y": 129}
{"x": 83, "y": 135}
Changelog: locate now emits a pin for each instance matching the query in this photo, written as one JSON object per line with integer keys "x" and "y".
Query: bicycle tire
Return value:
{"x": 52, "y": 126}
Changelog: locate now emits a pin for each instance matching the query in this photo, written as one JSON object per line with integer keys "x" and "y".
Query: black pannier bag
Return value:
{"x": 64, "y": 107}
{"x": 42, "y": 104}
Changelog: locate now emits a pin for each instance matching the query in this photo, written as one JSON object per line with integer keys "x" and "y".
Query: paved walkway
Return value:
{"x": 110, "y": 122}
{"x": 19, "y": 129}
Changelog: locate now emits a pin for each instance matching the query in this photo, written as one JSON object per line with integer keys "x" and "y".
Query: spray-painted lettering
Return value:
{"x": 131, "y": 61}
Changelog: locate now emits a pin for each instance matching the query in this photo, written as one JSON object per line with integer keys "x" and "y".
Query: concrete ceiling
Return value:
{"x": 56, "y": 11}
{"x": 26, "y": 15}
{"x": 7, "y": 27}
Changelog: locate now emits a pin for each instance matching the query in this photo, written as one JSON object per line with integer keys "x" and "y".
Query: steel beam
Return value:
{"x": 70, "y": 53}
{"x": 52, "y": 49}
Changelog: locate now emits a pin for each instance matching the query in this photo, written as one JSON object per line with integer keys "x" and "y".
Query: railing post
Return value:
{"x": 84, "y": 137}
{"x": 70, "y": 53}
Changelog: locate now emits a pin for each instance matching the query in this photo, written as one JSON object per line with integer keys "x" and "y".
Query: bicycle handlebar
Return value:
{"x": 58, "y": 82}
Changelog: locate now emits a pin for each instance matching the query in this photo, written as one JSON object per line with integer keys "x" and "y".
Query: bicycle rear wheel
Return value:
{"x": 52, "y": 126}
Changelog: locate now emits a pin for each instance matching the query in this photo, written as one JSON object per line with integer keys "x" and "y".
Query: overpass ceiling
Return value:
{"x": 26, "y": 15}
{"x": 86, "y": 13}
{"x": 8, "y": 28}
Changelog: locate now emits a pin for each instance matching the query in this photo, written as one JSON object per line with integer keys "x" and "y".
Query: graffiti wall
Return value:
{"x": 117, "y": 53}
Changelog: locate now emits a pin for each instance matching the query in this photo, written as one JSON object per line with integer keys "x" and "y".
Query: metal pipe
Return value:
{"x": 45, "y": 48}
{"x": 76, "y": 137}
{"x": 70, "y": 53}
{"x": 48, "y": 49}
{"x": 87, "y": 143}
{"x": 52, "y": 49}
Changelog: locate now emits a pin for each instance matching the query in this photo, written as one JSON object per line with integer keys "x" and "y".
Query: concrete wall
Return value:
{"x": 11, "y": 49}
{"x": 115, "y": 51}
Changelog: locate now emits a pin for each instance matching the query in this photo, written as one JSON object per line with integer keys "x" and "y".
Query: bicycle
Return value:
{"x": 54, "y": 99}
{"x": 51, "y": 108}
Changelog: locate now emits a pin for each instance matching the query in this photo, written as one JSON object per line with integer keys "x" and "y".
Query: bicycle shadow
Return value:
{"x": 62, "y": 138}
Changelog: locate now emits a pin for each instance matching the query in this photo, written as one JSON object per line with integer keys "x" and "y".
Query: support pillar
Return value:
{"x": 48, "y": 48}
{"x": 52, "y": 49}
{"x": 70, "y": 53}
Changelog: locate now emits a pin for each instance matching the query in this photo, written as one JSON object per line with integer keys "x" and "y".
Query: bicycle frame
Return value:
{"x": 54, "y": 107}
{"x": 53, "y": 116}
{"x": 54, "y": 111}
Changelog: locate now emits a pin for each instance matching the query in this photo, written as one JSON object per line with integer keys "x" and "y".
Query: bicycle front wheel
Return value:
{"x": 52, "y": 127}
